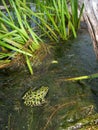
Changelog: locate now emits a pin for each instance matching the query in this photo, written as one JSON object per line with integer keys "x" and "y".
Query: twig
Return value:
{"x": 55, "y": 111}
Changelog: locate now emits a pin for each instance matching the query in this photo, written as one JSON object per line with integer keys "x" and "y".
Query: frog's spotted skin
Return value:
{"x": 35, "y": 98}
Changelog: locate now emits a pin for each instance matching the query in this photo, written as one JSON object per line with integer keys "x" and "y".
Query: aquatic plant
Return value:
{"x": 81, "y": 77}
{"x": 16, "y": 34}
{"x": 24, "y": 25}
{"x": 60, "y": 19}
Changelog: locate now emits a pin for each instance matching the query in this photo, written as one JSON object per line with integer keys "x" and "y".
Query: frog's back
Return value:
{"x": 35, "y": 98}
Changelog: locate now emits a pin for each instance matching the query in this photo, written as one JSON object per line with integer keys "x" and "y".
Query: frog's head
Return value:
{"x": 43, "y": 90}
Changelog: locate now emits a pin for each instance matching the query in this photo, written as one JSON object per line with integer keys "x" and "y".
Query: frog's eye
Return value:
{"x": 46, "y": 89}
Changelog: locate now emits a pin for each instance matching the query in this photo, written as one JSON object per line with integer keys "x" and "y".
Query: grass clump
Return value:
{"x": 24, "y": 25}
{"x": 16, "y": 34}
{"x": 60, "y": 18}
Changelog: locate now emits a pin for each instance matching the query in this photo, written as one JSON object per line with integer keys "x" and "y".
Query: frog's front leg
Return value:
{"x": 37, "y": 103}
{"x": 43, "y": 100}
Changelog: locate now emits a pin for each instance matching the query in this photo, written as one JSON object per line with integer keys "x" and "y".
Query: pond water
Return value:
{"x": 68, "y": 103}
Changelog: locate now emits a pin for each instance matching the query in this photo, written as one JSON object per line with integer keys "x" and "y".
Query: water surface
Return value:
{"x": 67, "y": 102}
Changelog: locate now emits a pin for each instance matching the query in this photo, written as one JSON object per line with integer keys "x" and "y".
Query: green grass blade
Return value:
{"x": 82, "y": 77}
{"x": 29, "y": 64}
{"x": 20, "y": 31}
{"x": 57, "y": 10}
{"x": 3, "y": 44}
{"x": 18, "y": 14}
{"x": 63, "y": 21}
{"x": 3, "y": 28}
{"x": 8, "y": 34}
{"x": 9, "y": 14}
{"x": 74, "y": 11}
{"x": 81, "y": 12}
{"x": 4, "y": 55}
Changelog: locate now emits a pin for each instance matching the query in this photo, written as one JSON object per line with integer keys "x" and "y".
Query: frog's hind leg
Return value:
{"x": 43, "y": 101}
{"x": 37, "y": 103}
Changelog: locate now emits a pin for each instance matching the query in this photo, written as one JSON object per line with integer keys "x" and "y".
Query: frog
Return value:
{"x": 35, "y": 98}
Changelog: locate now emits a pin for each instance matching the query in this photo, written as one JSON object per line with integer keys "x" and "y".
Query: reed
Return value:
{"x": 16, "y": 34}
{"x": 92, "y": 76}
{"x": 59, "y": 19}
{"x": 52, "y": 20}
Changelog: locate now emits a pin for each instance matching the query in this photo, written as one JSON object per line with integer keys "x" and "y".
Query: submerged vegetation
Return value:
{"x": 24, "y": 26}
{"x": 92, "y": 76}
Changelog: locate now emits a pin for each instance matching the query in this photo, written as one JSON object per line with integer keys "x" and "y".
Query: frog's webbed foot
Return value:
{"x": 44, "y": 101}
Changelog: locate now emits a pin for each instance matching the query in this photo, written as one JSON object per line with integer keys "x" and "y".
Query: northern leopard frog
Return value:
{"x": 35, "y": 98}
